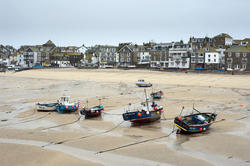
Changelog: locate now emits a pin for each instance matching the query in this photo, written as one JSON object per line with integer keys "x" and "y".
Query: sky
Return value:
{"x": 110, "y": 22}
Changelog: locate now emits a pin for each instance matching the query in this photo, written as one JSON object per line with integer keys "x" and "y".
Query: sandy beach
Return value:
{"x": 29, "y": 137}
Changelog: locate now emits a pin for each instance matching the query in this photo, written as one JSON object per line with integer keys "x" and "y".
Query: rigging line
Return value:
{"x": 219, "y": 120}
{"x": 244, "y": 117}
{"x": 41, "y": 117}
{"x": 64, "y": 124}
{"x": 110, "y": 113}
{"x": 87, "y": 136}
{"x": 135, "y": 143}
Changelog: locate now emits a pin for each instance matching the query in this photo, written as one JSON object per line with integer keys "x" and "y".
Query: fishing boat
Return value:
{"x": 157, "y": 95}
{"x": 64, "y": 105}
{"x": 46, "y": 106}
{"x": 142, "y": 83}
{"x": 195, "y": 122}
{"x": 92, "y": 111}
{"x": 149, "y": 112}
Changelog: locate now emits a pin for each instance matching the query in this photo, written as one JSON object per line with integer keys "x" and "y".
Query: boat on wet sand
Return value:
{"x": 149, "y": 112}
{"x": 157, "y": 95}
{"x": 64, "y": 105}
{"x": 92, "y": 111}
{"x": 142, "y": 83}
{"x": 46, "y": 106}
{"x": 195, "y": 122}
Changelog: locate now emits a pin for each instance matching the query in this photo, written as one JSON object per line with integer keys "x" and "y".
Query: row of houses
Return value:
{"x": 220, "y": 52}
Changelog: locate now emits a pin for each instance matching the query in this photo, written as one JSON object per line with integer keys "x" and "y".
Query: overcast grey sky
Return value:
{"x": 74, "y": 22}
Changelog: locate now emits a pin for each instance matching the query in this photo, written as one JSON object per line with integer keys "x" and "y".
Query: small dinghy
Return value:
{"x": 195, "y": 122}
{"x": 149, "y": 112}
{"x": 46, "y": 106}
{"x": 64, "y": 105}
{"x": 92, "y": 111}
{"x": 142, "y": 83}
{"x": 157, "y": 95}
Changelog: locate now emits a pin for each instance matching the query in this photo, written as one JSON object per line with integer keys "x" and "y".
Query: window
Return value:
{"x": 244, "y": 66}
{"x": 209, "y": 60}
{"x": 244, "y": 54}
{"x": 214, "y": 55}
{"x": 244, "y": 60}
{"x": 229, "y": 54}
{"x": 229, "y": 66}
{"x": 237, "y": 54}
{"x": 229, "y": 60}
{"x": 214, "y": 60}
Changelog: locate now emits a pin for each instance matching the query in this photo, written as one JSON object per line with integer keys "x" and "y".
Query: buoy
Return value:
{"x": 179, "y": 117}
{"x": 147, "y": 112}
{"x": 157, "y": 112}
{"x": 156, "y": 108}
{"x": 162, "y": 110}
{"x": 241, "y": 105}
{"x": 67, "y": 107}
{"x": 139, "y": 114}
{"x": 200, "y": 129}
{"x": 97, "y": 111}
{"x": 91, "y": 111}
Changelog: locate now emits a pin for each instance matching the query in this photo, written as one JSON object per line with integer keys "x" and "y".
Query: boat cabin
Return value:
{"x": 64, "y": 100}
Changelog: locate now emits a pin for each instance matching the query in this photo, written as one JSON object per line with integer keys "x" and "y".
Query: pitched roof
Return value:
{"x": 49, "y": 43}
{"x": 223, "y": 35}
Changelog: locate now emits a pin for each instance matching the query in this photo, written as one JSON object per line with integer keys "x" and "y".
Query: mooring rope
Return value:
{"x": 87, "y": 136}
{"x": 41, "y": 117}
{"x": 136, "y": 143}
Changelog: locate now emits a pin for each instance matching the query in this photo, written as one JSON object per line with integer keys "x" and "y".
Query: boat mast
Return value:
{"x": 87, "y": 104}
{"x": 146, "y": 99}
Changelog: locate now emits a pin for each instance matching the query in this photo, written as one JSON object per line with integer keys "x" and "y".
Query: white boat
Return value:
{"x": 46, "y": 106}
{"x": 142, "y": 83}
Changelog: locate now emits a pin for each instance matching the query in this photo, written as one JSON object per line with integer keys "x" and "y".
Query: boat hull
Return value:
{"x": 46, "y": 107}
{"x": 144, "y": 85}
{"x": 142, "y": 117}
{"x": 67, "y": 108}
{"x": 185, "y": 127}
{"x": 93, "y": 111}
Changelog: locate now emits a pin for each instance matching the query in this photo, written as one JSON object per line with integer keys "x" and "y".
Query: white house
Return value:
{"x": 179, "y": 56}
{"x": 212, "y": 57}
{"x": 144, "y": 57}
{"x": 20, "y": 60}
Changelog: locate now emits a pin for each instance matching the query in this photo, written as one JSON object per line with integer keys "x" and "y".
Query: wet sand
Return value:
{"x": 35, "y": 134}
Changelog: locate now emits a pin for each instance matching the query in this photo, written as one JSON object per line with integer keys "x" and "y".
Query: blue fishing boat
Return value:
{"x": 92, "y": 111}
{"x": 64, "y": 105}
{"x": 149, "y": 112}
{"x": 196, "y": 122}
{"x": 157, "y": 95}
